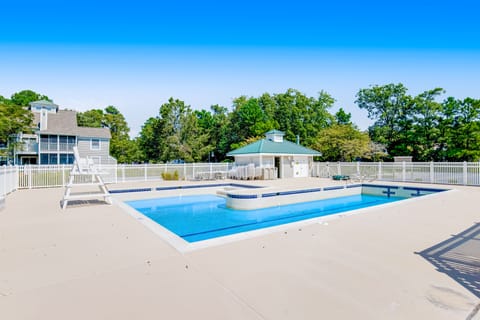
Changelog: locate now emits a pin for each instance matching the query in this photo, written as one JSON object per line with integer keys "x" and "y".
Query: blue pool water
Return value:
{"x": 201, "y": 217}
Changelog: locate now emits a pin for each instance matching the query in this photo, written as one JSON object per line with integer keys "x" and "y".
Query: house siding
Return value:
{"x": 84, "y": 148}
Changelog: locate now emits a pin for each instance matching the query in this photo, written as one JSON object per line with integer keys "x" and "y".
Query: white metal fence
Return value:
{"x": 8, "y": 180}
{"x": 460, "y": 173}
{"x": 43, "y": 176}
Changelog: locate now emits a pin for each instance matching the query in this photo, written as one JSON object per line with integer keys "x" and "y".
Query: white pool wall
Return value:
{"x": 265, "y": 202}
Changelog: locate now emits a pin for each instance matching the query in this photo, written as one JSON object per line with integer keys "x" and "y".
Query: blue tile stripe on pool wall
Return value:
{"x": 388, "y": 189}
{"x": 131, "y": 190}
{"x": 333, "y": 188}
{"x": 379, "y": 186}
{"x": 242, "y": 196}
{"x": 285, "y": 193}
{"x": 186, "y": 187}
{"x": 354, "y": 186}
{"x": 424, "y": 189}
{"x": 208, "y": 186}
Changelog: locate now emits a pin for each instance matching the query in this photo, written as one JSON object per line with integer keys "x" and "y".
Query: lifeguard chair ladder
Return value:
{"x": 84, "y": 167}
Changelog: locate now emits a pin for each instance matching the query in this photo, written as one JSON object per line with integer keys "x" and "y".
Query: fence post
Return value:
{"x": 123, "y": 173}
{"x": 145, "y": 172}
{"x": 193, "y": 171}
{"x": 404, "y": 171}
{"x": 116, "y": 172}
{"x": 432, "y": 172}
{"x": 465, "y": 173}
{"x": 5, "y": 179}
{"x": 339, "y": 169}
{"x": 17, "y": 177}
{"x": 184, "y": 171}
{"x": 29, "y": 172}
{"x": 358, "y": 168}
{"x": 379, "y": 170}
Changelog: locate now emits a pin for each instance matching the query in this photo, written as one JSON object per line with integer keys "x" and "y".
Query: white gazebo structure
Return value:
{"x": 290, "y": 159}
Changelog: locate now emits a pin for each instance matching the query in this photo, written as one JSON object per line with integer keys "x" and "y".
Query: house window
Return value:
{"x": 53, "y": 142}
{"x": 66, "y": 143}
{"x": 66, "y": 158}
{"x": 46, "y": 158}
{"x": 95, "y": 144}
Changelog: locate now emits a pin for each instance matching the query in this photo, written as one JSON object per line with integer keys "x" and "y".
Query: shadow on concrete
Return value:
{"x": 84, "y": 203}
{"x": 459, "y": 258}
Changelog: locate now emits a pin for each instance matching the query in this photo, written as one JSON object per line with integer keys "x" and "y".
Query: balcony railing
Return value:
{"x": 57, "y": 147}
{"x": 27, "y": 147}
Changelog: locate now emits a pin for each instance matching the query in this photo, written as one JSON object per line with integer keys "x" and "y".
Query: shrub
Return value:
{"x": 169, "y": 176}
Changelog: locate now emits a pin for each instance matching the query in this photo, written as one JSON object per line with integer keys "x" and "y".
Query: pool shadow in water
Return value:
{"x": 459, "y": 258}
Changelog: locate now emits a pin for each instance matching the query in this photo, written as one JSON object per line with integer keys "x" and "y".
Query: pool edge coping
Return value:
{"x": 184, "y": 246}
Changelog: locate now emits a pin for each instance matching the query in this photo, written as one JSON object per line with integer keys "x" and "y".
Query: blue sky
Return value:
{"x": 135, "y": 55}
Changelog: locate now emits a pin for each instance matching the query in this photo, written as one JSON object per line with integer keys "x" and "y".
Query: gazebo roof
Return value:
{"x": 265, "y": 146}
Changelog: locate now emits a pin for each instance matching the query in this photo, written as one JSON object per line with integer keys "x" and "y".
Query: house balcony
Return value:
{"x": 27, "y": 148}
{"x": 57, "y": 147}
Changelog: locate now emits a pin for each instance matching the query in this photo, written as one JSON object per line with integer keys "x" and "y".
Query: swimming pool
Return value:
{"x": 201, "y": 217}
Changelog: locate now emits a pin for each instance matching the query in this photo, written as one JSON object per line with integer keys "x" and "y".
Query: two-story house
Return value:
{"x": 56, "y": 133}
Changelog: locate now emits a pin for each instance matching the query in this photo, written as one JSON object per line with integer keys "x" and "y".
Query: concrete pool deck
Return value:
{"x": 97, "y": 262}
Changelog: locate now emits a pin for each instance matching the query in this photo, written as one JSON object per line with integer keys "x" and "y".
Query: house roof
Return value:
{"x": 64, "y": 122}
{"x": 265, "y": 146}
{"x": 44, "y": 103}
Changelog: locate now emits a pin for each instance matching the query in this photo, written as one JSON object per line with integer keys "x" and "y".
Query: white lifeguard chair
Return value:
{"x": 84, "y": 167}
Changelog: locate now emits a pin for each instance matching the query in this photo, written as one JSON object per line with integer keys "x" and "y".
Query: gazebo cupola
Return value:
{"x": 275, "y": 135}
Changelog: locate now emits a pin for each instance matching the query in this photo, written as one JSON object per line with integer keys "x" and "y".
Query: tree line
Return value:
{"x": 422, "y": 126}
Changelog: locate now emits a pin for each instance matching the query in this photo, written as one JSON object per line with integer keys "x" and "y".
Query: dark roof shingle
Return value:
{"x": 64, "y": 122}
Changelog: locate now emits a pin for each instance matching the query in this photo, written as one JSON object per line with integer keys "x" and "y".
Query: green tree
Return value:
{"x": 24, "y": 97}
{"x": 174, "y": 134}
{"x": 91, "y": 118}
{"x": 297, "y": 114}
{"x": 460, "y": 130}
{"x": 219, "y": 136}
{"x": 122, "y": 147}
{"x": 341, "y": 142}
{"x": 426, "y": 118}
{"x": 14, "y": 119}
{"x": 392, "y": 110}
{"x": 247, "y": 120}
{"x": 215, "y": 124}
{"x": 149, "y": 139}
{"x": 341, "y": 117}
